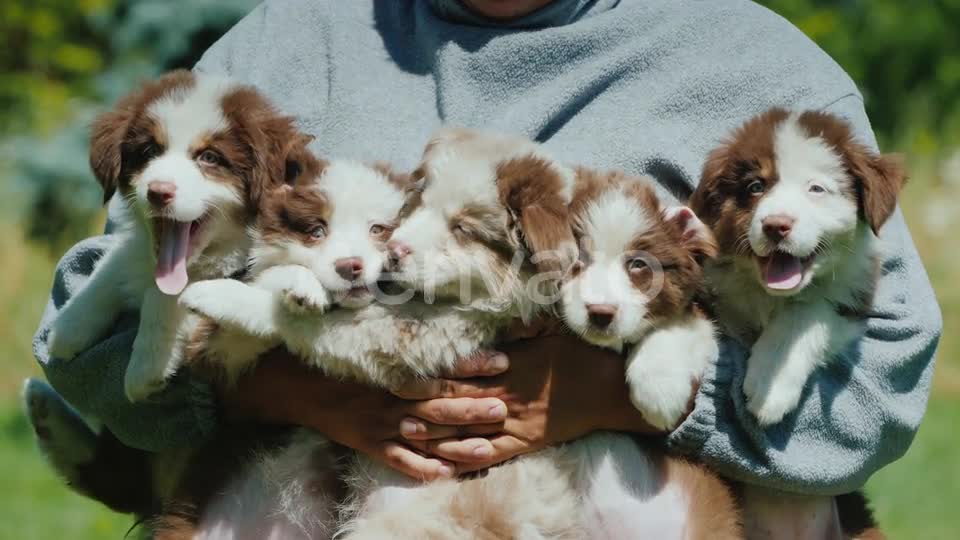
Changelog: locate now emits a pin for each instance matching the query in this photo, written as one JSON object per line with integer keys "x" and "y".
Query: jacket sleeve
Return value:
{"x": 858, "y": 413}
{"x": 182, "y": 414}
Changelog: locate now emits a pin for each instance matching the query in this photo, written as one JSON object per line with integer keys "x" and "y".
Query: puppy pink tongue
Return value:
{"x": 173, "y": 248}
{"x": 782, "y": 271}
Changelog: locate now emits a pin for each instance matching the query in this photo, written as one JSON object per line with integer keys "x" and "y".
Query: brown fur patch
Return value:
{"x": 531, "y": 190}
{"x": 713, "y": 511}
{"x": 295, "y": 212}
{"x": 721, "y": 199}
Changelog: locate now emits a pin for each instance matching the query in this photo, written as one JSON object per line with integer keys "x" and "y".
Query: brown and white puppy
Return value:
{"x": 796, "y": 205}
{"x": 190, "y": 155}
{"x": 635, "y": 287}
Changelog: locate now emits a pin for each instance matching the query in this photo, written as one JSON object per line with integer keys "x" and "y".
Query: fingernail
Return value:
{"x": 499, "y": 362}
{"x": 409, "y": 427}
{"x": 483, "y": 451}
{"x": 445, "y": 471}
{"x": 498, "y": 411}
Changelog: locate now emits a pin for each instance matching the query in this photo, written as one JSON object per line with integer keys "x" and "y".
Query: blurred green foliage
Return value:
{"x": 60, "y": 60}
{"x": 905, "y": 56}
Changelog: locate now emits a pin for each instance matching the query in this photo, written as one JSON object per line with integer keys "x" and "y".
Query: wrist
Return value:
{"x": 619, "y": 412}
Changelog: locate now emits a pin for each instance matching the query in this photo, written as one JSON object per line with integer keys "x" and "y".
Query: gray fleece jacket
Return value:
{"x": 648, "y": 86}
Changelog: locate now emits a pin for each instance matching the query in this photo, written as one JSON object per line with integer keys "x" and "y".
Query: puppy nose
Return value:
{"x": 349, "y": 268}
{"x": 397, "y": 250}
{"x": 601, "y": 315}
{"x": 161, "y": 192}
{"x": 777, "y": 227}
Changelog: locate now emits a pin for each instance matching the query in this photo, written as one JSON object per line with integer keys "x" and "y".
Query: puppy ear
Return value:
{"x": 694, "y": 235}
{"x": 879, "y": 181}
{"x": 534, "y": 194}
{"x": 281, "y": 155}
{"x": 704, "y": 201}
{"x": 106, "y": 148}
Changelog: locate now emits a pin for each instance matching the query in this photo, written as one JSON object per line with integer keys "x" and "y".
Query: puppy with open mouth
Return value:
{"x": 190, "y": 155}
{"x": 796, "y": 204}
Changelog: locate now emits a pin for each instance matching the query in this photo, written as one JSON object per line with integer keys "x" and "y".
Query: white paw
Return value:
{"x": 205, "y": 298}
{"x": 145, "y": 375}
{"x": 72, "y": 334}
{"x": 770, "y": 400}
{"x": 662, "y": 398}
{"x": 303, "y": 301}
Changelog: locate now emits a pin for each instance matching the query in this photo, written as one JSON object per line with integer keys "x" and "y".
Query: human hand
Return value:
{"x": 557, "y": 388}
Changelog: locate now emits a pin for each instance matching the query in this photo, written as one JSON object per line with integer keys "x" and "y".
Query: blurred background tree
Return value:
{"x": 61, "y": 61}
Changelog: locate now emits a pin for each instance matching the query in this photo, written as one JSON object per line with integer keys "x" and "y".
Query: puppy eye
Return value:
{"x": 636, "y": 265}
{"x": 458, "y": 228}
{"x": 318, "y": 231}
{"x": 817, "y": 188}
{"x": 210, "y": 157}
{"x": 151, "y": 150}
{"x": 380, "y": 230}
{"x": 756, "y": 187}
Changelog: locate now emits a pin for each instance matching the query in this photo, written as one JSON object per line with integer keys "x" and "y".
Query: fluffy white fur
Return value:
{"x": 793, "y": 332}
{"x": 123, "y": 280}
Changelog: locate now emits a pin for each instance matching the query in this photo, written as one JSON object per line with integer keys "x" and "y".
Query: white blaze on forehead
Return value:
{"x": 189, "y": 113}
{"x": 455, "y": 182}
{"x": 613, "y": 221}
{"x": 801, "y": 158}
{"x": 359, "y": 192}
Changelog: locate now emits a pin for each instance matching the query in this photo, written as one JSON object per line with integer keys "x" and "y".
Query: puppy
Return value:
{"x": 796, "y": 204}
{"x": 190, "y": 156}
{"x": 635, "y": 287}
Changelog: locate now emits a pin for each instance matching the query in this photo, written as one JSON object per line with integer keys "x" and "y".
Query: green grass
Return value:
{"x": 34, "y": 504}
{"x": 915, "y": 498}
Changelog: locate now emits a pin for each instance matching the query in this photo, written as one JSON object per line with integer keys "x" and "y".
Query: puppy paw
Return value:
{"x": 147, "y": 373}
{"x": 72, "y": 334}
{"x": 206, "y": 298}
{"x": 772, "y": 401}
{"x": 663, "y": 398}
{"x": 303, "y": 301}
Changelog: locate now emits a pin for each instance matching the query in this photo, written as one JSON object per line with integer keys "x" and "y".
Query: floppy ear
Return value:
{"x": 533, "y": 194}
{"x": 879, "y": 181}
{"x": 280, "y": 153}
{"x": 106, "y": 153}
{"x": 703, "y": 200}
{"x": 694, "y": 235}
